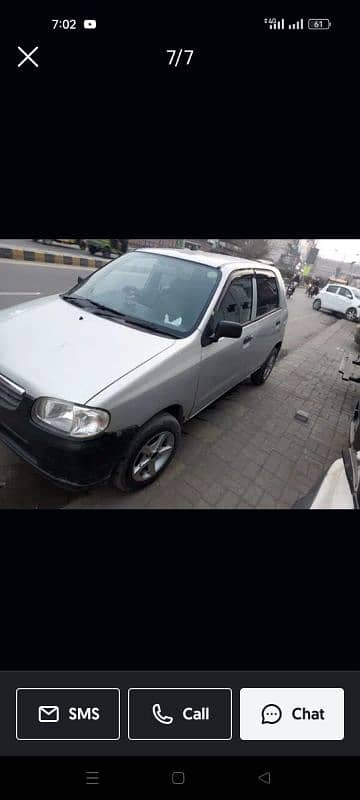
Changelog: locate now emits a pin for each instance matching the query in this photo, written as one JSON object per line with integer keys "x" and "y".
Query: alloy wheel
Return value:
{"x": 270, "y": 365}
{"x": 351, "y": 315}
{"x": 153, "y": 456}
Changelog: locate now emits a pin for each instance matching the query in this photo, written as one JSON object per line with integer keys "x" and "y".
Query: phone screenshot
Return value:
{"x": 179, "y": 391}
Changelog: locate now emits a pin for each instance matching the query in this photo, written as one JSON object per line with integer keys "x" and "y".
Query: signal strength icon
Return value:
{"x": 297, "y": 26}
{"x": 275, "y": 24}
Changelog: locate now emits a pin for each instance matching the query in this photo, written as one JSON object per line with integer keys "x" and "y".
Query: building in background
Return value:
{"x": 289, "y": 255}
{"x": 190, "y": 244}
{"x": 280, "y": 249}
{"x": 134, "y": 244}
{"x": 327, "y": 268}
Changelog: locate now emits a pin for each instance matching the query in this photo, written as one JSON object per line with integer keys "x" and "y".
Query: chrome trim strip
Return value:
{"x": 13, "y": 386}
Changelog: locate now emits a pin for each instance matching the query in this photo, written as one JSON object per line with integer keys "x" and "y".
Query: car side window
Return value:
{"x": 346, "y": 293}
{"x": 236, "y": 305}
{"x": 332, "y": 289}
{"x": 267, "y": 294}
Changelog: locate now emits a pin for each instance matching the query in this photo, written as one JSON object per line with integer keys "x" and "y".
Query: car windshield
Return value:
{"x": 156, "y": 291}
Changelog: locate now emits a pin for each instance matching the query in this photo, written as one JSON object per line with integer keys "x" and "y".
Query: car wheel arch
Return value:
{"x": 176, "y": 410}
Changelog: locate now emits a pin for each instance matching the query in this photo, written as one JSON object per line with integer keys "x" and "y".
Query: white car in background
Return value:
{"x": 344, "y": 300}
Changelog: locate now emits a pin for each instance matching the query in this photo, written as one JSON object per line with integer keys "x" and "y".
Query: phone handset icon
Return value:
{"x": 156, "y": 710}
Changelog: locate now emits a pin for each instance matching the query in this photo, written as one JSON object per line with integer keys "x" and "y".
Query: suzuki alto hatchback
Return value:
{"x": 96, "y": 383}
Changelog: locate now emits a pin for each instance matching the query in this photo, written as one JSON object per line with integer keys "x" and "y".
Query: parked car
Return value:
{"x": 343, "y": 300}
{"x": 340, "y": 487}
{"x": 96, "y": 383}
{"x": 103, "y": 246}
{"x": 61, "y": 241}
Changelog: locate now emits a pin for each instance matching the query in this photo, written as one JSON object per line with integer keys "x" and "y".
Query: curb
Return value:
{"x": 50, "y": 258}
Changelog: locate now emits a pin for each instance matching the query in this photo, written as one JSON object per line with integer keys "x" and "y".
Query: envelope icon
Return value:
{"x": 48, "y": 713}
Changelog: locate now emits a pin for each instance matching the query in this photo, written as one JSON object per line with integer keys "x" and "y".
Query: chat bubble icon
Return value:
{"x": 271, "y": 714}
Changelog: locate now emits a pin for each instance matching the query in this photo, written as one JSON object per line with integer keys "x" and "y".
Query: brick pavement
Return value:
{"x": 247, "y": 450}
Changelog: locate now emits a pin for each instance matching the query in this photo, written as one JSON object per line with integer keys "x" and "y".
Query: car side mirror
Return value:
{"x": 80, "y": 279}
{"x": 228, "y": 330}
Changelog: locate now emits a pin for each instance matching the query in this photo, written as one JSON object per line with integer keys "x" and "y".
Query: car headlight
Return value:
{"x": 79, "y": 422}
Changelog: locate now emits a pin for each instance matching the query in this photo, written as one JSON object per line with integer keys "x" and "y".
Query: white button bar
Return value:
{"x": 291, "y": 714}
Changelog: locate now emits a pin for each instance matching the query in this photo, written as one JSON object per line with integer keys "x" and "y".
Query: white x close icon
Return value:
{"x": 27, "y": 56}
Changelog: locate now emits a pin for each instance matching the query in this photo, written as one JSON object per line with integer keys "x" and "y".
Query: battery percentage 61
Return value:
{"x": 319, "y": 24}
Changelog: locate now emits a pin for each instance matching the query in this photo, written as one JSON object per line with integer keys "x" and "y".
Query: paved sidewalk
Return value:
{"x": 247, "y": 450}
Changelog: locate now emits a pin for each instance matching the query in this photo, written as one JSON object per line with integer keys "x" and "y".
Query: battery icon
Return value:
{"x": 319, "y": 24}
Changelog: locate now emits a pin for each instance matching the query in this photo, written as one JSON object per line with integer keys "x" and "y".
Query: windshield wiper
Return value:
{"x": 110, "y": 313}
{"x": 150, "y": 326}
{"x": 78, "y": 301}
{"x": 84, "y": 301}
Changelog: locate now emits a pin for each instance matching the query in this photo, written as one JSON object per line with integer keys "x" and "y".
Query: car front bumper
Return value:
{"x": 74, "y": 464}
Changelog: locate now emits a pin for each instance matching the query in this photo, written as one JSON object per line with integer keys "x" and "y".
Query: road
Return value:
{"x": 24, "y": 281}
{"x": 303, "y": 321}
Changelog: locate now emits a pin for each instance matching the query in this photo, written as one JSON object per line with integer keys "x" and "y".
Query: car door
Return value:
{"x": 329, "y": 299}
{"x": 226, "y": 362}
{"x": 344, "y": 299}
{"x": 270, "y": 317}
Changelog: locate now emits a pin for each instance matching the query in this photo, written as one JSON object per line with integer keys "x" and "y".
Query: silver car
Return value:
{"x": 96, "y": 383}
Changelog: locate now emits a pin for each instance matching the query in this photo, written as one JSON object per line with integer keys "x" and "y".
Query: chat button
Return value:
{"x": 284, "y": 714}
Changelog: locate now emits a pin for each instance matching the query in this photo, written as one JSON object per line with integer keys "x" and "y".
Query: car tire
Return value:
{"x": 92, "y": 249}
{"x": 82, "y": 244}
{"x": 130, "y": 476}
{"x": 261, "y": 375}
{"x": 351, "y": 315}
{"x": 317, "y": 305}
{"x": 106, "y": 253}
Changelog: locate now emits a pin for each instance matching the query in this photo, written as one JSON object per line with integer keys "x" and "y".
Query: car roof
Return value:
{"x": 217, "y": 260}
{"x": 342, "y": 285}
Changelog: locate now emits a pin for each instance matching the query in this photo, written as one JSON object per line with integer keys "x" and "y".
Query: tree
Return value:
{"x": 253, "y": 248}
{"x": 244, "y": 248}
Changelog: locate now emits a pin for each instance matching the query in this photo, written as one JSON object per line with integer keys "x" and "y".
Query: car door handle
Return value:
{"x": 248, "y": 339}
{"x": 277, "y": 323}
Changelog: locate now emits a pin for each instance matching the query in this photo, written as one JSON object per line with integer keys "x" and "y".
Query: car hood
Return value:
{"x": 53, "y": 348}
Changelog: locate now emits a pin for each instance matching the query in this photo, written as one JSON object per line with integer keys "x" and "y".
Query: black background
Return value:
{"x": 259, "y": 138}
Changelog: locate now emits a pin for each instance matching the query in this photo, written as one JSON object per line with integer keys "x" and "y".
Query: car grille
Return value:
{"x": 10, "y": 393}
